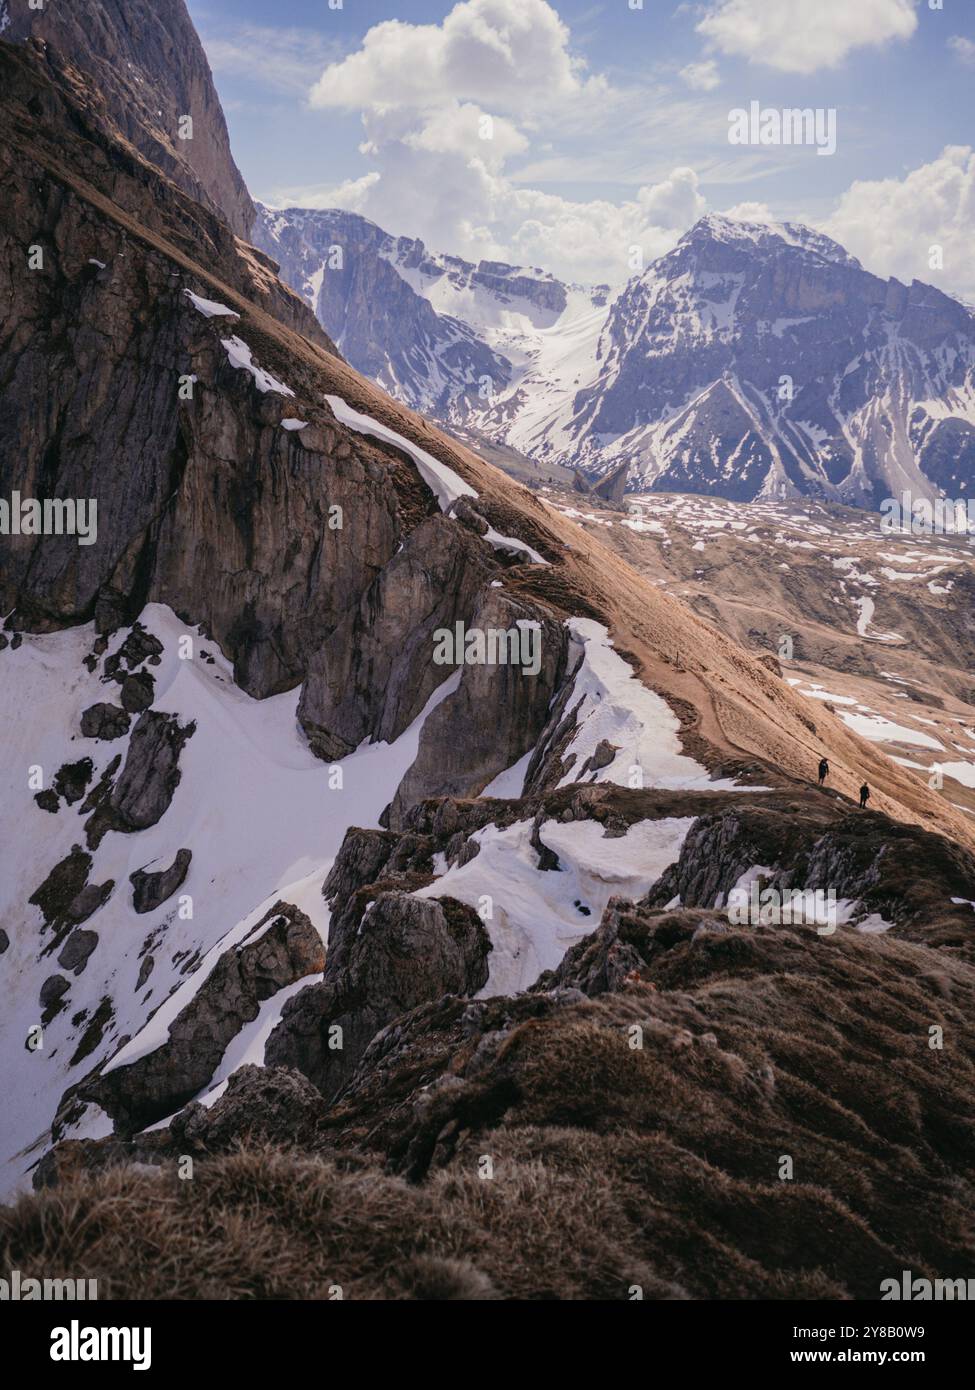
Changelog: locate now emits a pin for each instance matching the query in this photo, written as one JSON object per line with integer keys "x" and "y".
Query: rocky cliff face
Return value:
{"x": 766, "y": 362}
{"x": 148, "y": 64}
{"x": 352, "y": 275}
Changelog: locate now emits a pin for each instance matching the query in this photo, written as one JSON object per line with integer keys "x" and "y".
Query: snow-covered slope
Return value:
{"x": 438, "y": 333}
{"x": 261, "y": 815}
{"x": 264, "y": 820}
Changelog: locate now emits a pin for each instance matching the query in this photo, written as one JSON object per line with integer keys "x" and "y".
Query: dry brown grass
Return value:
{"x": 267, "y": 1224}
{"x": 611, "y": 1166}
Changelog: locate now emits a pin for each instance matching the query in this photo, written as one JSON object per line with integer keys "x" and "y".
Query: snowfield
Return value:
{"x": 254, "y": 806}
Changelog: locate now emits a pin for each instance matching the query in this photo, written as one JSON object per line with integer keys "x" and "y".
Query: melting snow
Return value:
{"x": 240, "y": 357}
{"x": 209, "y": 308}
{"x": 879, "y": 729}
{"x": 253, "y": 804}
{"x": 446, "y": 485}
{"x": 534, "y": 915}
{"x": 639, "y": 723}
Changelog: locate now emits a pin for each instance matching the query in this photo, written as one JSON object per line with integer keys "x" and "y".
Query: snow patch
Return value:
{"x": 240, "y": 357}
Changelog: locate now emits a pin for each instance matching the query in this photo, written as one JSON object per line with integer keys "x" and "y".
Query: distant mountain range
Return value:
{"x": 750, "y": 361}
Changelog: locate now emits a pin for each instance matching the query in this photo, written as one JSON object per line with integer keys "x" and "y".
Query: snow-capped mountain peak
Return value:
{"x": 751, "y": 360}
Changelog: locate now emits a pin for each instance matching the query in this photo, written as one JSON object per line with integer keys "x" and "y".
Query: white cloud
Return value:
{"x": 673, "y": 204}
{"x": 751, "y": 212}
{"x": 965, "y": 49}
{"x": 703, "y": 76}
{"x": 890, "y": 225}
{"x": 429, "y": 93}
{"x": 511, "y": 54}
{"x": 804, "y": 35}
{"x": 464, "y": 129}
{"x": 476, "y": 212}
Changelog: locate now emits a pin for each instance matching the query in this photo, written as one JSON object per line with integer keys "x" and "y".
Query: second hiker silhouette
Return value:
{"x": 823, "y": 770}
{"x": 864, "y": 795}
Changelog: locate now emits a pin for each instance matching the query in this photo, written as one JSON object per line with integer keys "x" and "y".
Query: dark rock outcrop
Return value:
{"x": 406, "y": 951}
{"x": 462, "y": 748}
{"x": 71, "y": 780}
{"x": 53, "y": 990}
{"x": 260, "y": 1104}
{"x": 76, "y": 950}
{"x": 864, "y": 857}
{"x": 282, "y": 948}
{"x": 149, "y": 776}
{"x": 148, "y": 64}
{"x": 62, "y": 895}
{"x": 105, "y": 722}
{"x": 86, "y": 903}
{"x": 375, "y": 672}
{"x": 137, "y": 692}
{"x": 151, "y": 890}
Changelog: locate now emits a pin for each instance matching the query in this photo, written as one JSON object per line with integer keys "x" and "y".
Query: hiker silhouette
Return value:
{"x": 823, "y": 770}
{"x": 864, "y": 795}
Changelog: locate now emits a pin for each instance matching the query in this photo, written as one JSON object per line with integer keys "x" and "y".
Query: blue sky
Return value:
{"x": 610, "y": 122}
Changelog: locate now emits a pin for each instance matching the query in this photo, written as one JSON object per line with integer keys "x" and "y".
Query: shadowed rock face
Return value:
{"x": 150, "y": 774}
{"x": 282, "y": 948}
{"x": 150, "y": 890}
{"x": 460, "y": 751}
{"x": 374, "y": 673}
{"x": 309, "y": 555}
{"x": 105, "y": 721}
{"x": 406, "y": 951}
{"x": 149, "y": 66}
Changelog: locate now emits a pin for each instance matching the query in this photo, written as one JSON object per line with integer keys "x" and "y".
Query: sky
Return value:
{"x": 585, "y": 136}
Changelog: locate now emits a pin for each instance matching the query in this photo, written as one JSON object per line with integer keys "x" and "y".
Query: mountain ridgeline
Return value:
{"x": 750, "y": 361}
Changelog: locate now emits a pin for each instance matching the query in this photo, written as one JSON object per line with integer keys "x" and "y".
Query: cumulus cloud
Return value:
{"x": 445, "y": 108}
{"x": 804, "y": 35}
{"x": 476, "y": 211}
{"x": 513, "y": 54}
{"x": 703, "y": 76}
{"x": 890, "y": 225}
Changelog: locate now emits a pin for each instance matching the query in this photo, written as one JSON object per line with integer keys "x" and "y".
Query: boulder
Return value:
{"x": 76, "y": 950}
{"x": 407, "y": 951}
{"x": 105, "y": 722}
{"x": 151, "y": 890}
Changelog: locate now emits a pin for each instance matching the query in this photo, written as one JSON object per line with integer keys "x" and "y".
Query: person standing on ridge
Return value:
{"x": 823, "y": 770}
{"x": 864, "y": 795}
